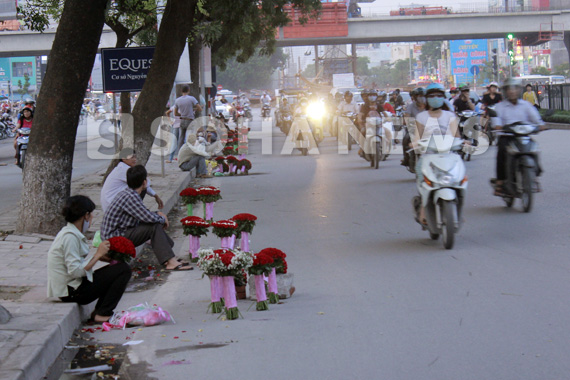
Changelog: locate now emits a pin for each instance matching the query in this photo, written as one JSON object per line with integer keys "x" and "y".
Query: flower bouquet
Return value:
{"x": 190, "y": 197}
{"x": 235, "y": 262}
{"x": 195, "y": 227}
{"x": 221, "y": 162}
{"x": 232, "y": 161}
{"x": 225, "y": 229}
{"x": 228, "y": 150}
{"x": 244, "y": 165}
{"x": 262, "y": 265}
{"x": 245, "y": 223}
{"x": 208, "y": 195}
{"x": 121, "y": 249}
{"x": 211, "y": 264}
{"x": 278, "y": 257}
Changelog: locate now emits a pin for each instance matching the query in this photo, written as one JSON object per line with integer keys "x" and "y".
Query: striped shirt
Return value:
{"x": 126, "y": 211}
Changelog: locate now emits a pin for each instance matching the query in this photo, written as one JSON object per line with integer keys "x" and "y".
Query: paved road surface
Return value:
{"x": 376, "y": 298}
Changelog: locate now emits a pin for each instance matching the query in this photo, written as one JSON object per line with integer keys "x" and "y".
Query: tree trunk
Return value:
{"x": 47, "y": 174}
{"x": 194, "y": 49}
{"x": 176, "y": 25}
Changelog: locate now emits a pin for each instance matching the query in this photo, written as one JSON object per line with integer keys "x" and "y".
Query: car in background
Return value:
{"x": 224, "y": 109}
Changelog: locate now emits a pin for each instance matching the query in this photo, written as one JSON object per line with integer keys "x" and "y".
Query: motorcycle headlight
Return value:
{"x": 316, "y": 110}
{"x": 443, "y": 177}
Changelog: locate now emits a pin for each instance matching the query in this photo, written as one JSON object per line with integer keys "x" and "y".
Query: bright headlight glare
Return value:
{"x": 316, "y": 110}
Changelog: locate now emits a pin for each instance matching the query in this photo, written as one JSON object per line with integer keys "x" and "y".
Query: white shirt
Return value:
{"x": 117, "y": 182}
{"x": 509, "y": 113}
{"x": 266, "y": 99}
{"x": 348, "y": 107}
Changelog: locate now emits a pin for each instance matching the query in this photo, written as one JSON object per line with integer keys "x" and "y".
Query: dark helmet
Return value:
{"x": 28, "y": 109}
{"x": 464, "y": 87}
{"x": 348, "y": 93}
{"x": 419, "y": 91}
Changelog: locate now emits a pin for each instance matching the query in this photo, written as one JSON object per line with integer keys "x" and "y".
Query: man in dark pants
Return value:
{"x": 185, "y": 106}
{"x": 128, "y": 216}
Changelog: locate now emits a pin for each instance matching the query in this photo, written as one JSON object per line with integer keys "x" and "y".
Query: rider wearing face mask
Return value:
{"x": 436, "y": 120}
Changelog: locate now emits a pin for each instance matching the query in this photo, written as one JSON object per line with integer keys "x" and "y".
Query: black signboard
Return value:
{"x": 125, "y": 69}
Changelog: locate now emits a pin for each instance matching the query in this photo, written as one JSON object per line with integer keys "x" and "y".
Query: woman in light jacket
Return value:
{"x": 70, "y": 272}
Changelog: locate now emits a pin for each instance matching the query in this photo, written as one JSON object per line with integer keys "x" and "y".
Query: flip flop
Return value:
{"x": 185, "y": 263}
{"x": 178, "y": 268}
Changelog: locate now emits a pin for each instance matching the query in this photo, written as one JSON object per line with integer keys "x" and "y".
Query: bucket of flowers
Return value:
{"x": 245, "y": 223}
{"x": 220, "y": 161}
{"x": 195, "y": 227}
{"x": 278, "y": 257}
{"x": 262, "y": 266}
{"x": 232, "y": 161}
{"x": 121, "y": 250}
{"x": 208, "y": 195}
{"x": 244, "y": 165}
{"x": 225, "y": 230}
{"x": 228, "y": 150}
{"x": 190, "y": 197}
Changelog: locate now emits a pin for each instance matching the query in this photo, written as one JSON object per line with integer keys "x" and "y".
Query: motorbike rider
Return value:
{"x": 382, "y": 99}
{"x": 348, "y": 104}
{"x": 463, "y": 101}
{"x": 453, "y": 93}
{"x": 418, "y": 105}
{"x": 371, "y": 103}
{"x": 24, "y": 122}
{"x": 437, "y": 119}
{"x": 491, "y": 98}
{"x": 398, "y": 99}
{"x": 265, "y": 99}
{"x": 512, "y": 110}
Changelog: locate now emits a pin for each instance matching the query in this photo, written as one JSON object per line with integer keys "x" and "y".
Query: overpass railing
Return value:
{"x": 384, "y": 10}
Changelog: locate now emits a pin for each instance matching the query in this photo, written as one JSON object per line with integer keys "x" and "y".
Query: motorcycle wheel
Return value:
{"x": 349, "y": 143}
{"x": 447, "y": 228}
{"x": 304, "y": 151}
{"x": 22, "y": 159}
{"x": 10, "y": 134}
{"x": 509, "y": 201}
{"x": 378, "y": 154}
{"x": 467, "y": 156}
{"x": 412, "y": 163}
{"x": 528, "y": 178}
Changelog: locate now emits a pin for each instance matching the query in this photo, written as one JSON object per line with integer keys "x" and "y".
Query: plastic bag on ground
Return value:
{"x": 141, "y": 315}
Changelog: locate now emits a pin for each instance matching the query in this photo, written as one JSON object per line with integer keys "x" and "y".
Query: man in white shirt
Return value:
{"x": 117, "y": 181}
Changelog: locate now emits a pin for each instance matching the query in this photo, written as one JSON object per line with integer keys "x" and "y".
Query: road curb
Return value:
{"x": 559, "y": 126}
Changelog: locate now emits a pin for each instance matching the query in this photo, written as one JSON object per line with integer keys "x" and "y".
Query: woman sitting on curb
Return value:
{"x": 70, "y": 273}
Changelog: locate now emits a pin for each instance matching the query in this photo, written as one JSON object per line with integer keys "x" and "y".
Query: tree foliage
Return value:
{"x": 541, "y": 70}
{"x": 563, "y": 69}
{"x": 391, "y": 75}
{"x": 255, "y": 73}
{"x": 431, "y": 52}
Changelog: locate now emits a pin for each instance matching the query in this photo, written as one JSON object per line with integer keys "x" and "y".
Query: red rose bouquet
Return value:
{"x": 245, "y": 223}
{"x": 121, "y": 249}
{"x": 278, "y": 257}
{"x": 262, "y": 264}
{"x": 221, "y": 162}
{"x": 232, "y": 161}
{"x": 189, "y": 197}
{"x": 225, "y": 229}
{"x": 208, "y": 195}
{"x": 195, "y": 227}
{"x": 228, "y": 150}
{"x": 244, "y": 165}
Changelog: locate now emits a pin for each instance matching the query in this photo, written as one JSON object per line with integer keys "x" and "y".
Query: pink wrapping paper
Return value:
{"x": 220, "y": 286}
{"x": 241, "y": 157}
{"x": 231, "y": 168}
{"x": 232, "y": 241}
{"x": 244, "y": 241}
{"x": 260, "y": 288}
{"x": 226, "y": 242}
{"x": 215, "y": 291}
{"x": 229, "y": 292}
{"x": 194, "y": 246}
{"x": 209, "y": 211}
{"x": 272, "y": 285}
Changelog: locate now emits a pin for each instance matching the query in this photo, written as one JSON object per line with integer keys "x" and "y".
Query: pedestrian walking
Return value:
{"x": 185, "y": 106}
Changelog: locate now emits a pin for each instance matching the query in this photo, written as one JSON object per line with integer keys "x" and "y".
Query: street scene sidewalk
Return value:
{"x": 39, "y": 328}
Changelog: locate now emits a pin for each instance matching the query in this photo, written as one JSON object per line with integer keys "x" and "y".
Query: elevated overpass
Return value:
{"x": 28, "y": 43}
{"x": 524, "y": 25}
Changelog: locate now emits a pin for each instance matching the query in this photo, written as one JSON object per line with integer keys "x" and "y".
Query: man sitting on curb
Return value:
{"x": 193, "y": 155}
{"x": 117, "y": 181}
{"x": 128, "y": 216}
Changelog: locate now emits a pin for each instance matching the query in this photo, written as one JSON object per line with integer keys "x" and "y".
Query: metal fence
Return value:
{"x": 554, "y": 97}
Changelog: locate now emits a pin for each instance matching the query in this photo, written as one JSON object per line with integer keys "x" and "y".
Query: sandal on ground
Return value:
{"x": 185, "y": 263}
{"x": 179, "y": 268}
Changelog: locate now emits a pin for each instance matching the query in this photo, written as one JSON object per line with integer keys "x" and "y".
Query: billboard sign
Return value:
{"x": 464, "y": 55}
{"x": 5, "y": 69}
{"x": 125, "y": 69}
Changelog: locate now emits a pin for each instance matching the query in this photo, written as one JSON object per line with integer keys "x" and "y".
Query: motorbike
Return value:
{"x": 442, "y": 188}
{"x": 489, "y": 128}
{"x": 247, "y": 110}
{"x": 286, "y": 121}
{"x": 239, "y": 113}
{"x": 398, "y": 122}
{"x": 99, "y": 113}
{"x": 378, "y": 141}
{"x": 22, "y": 145}
{"x": 522, "y": 166}
{"x": 470, "y": 127}
{"x": 347, "y": 119}
{"x": 266, "y": 111}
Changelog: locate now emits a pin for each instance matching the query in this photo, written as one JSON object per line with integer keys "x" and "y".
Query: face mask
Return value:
{"x": 85, "y": 226}
{"x": 422, "y": 99}
{"x": 435, "y": 102}
{"x": 372, "y": 98}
